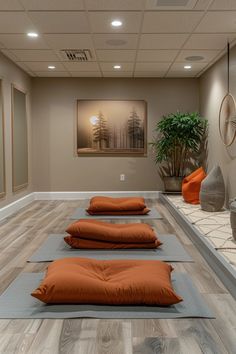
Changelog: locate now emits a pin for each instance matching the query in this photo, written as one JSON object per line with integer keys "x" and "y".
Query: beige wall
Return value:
{"x": 213, "y": 87}
{"x": 12, "y": 74}
{"x": 55, "y": 165}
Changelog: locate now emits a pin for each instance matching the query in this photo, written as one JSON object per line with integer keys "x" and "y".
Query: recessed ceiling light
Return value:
{"x": 187, "y": 67}
{"x": 32, "y": 34}
{"x": 194, "y": 58}
{"x": 117, "y": 67}
{"x": 51, "y": 67}
{"x": 116, "y": 23}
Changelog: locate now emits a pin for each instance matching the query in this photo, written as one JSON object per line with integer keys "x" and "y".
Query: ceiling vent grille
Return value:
{"x": 176, "y": 4}
{"x": 81, "y": 55}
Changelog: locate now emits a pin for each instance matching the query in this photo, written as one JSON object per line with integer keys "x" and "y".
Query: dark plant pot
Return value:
{"x": 173, "y": 184}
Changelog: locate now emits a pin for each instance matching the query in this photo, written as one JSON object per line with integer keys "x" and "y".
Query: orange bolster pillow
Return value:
{"x": 101, "y": 204}
{"x": 109, "y": 282}
{"x": 191, "y": 186}
{"x": 81, "y": 243}
{"x": 129, "y": 212}
{"x": 105, "y": 231}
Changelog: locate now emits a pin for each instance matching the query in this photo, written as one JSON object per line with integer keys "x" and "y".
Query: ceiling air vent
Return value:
{"x": 175, "y": 4}
{"x": 76, "y": 54}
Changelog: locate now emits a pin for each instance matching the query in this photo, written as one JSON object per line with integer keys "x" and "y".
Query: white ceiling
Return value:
{"x": 154, "y": 41}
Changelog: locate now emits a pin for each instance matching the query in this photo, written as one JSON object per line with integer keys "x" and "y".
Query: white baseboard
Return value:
{"x": 87, "y": 195}
{"x": 22, "y": 202}
{"x": 16, "y": 205}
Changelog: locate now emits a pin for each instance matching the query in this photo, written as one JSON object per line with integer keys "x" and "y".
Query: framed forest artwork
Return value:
{"x": 112, "y": 127}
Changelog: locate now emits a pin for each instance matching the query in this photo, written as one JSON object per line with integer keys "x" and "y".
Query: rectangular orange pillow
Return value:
{"x": 105, "y": 231}
{"x": 109, "y": 282}
{"x": 108, "y": 204}
{"x": 80, "y": 243}
{"x": 129, "y": 212}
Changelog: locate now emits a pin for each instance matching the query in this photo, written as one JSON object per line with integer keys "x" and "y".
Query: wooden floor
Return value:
{"x": 21, "y": 235}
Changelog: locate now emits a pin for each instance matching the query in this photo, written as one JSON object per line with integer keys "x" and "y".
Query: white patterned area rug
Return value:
{"x": 215, "y": 226}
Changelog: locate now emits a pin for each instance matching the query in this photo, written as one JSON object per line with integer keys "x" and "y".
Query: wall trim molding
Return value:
{"x": 13, "y": 207}
{"x": 87, "y": 195}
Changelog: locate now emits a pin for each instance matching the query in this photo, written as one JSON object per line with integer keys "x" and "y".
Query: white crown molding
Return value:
{"x": 13, "y": 207}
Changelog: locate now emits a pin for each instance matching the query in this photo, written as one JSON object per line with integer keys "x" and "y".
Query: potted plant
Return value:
{"x": 179, "y": 137}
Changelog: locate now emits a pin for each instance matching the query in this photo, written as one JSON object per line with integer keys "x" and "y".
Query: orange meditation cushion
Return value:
{"x": 191, "y": 186}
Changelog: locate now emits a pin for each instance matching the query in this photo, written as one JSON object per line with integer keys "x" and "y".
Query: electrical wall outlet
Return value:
{"x": 122, "y": 177}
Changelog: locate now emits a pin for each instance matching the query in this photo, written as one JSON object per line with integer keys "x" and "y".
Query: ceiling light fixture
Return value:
{"x": 51, "y": 67}
{"x": 32, "y": 34}
{"x": 116, "y": 23}
{"x": 187, "y": 67}
{"x": 117, "y": 67}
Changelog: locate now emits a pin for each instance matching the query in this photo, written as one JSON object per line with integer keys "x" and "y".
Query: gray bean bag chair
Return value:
{"x": 233, "y": 217}
{"x": 212, "y": 192}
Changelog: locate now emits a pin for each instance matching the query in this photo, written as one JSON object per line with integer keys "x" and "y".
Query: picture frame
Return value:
{"x": 111, "y": 127}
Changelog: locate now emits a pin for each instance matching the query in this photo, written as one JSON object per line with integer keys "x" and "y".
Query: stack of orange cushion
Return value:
{"x": 110, "y": 282}
{"x": 117, "y": 206}
{"x": 191, "y": 186}
{"x": 93, "y": 234}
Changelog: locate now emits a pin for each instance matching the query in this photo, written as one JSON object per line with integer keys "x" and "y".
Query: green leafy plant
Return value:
{"x": 178, "y": 139}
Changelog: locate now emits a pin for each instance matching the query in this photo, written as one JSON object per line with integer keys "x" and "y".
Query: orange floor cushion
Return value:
{"x": 107, "y": 282}
{"x": 93, "y": 234}
{"x": 191, "y": 186}
{"x": 117, "y": 206}
{"x": 76, "y": 242}
{"x": 106, "y": 231}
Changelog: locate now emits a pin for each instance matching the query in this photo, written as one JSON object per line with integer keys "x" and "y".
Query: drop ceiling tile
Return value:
{"x": 52, "y": 4}
{"x": 52, "y": 74}
{"x": 124, "y": 66}
{"x": 114, "y": 41}
{"x": 170, "y": 22}
{"x": 223, "y": 5}
{"x": 24, "y": 67}
{"x": 10, "y": 5}
{"x": 60, "y": 22}
{"x": 156, "y": 55}
{"x": 170, "y": 5}
{"x": 86, "y": 74}
{"x": 21, "y": 41}
{"x": 162, "y": 41}
{"x": 115, "y": 5}
{"x": 77, "y": 66}
{"x": 208, "y": 41}
{"x": 43, "y": 66}
{"x": 207, "y": 55}
{"x": 68, "y": 41}
{"x": 149, "y": 74}
{"x": 117, "y": 74}
{"x": 152, "y": 67}
{"x": 101, "y": 22}
{"x": 218, "y": 21}
{"x": 35, "y": 55}
{"x": 15, "y": 22}
{"x": 120, "y": 55}
{"x": 181, "y": 74}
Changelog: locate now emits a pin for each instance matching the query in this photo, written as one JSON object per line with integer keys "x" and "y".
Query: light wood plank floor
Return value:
{"x": 22, "y": 234}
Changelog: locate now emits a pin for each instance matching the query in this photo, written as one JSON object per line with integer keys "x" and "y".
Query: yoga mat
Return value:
{"x": 81, "y": 213}
{"x": 55, "y": 247}
{"x": 16, "y": 302}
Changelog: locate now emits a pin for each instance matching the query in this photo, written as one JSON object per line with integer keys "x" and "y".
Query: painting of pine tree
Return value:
{"x": 111, "y": 127}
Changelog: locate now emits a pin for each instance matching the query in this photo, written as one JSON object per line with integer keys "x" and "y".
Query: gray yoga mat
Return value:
{"x": 81, "y": 213}
{"x": 55, "y": 247}
{"x": 16, "y": 302}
